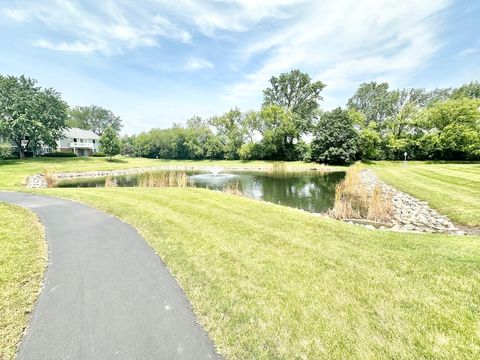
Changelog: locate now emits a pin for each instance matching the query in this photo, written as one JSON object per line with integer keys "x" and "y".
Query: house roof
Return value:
{"x": 80, "y": 133}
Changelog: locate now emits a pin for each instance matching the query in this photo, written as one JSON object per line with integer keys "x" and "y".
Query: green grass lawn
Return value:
{"x": 451, "y": 188}
{"x": 14, "y": 172}
{"x": 274, "y": 282}
{"x": 22, "y": 262}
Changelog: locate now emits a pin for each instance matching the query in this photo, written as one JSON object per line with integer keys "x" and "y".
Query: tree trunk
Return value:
{"x": 21, "y": 152}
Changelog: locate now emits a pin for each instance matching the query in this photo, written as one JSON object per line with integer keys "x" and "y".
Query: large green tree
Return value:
{"x": 29, "y": 113}
{"x": 374, "y": 101}
{"x": 296, "y": 92}
{"x": 93, "y": 118}
{"x": 335, "y": 139}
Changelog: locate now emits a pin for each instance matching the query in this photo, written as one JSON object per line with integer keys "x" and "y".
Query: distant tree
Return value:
{"x": 439, "y": 94}
{"x": 335, "y": 139}
{"x": 452, "y": 129}
{"x": 110, "y": 142}
{"x": 30, "y": 113}
{"x": 370, "y": 143}
{"x": 374, "y": 101}
{"x": 470, "y": 90}
{"x": 280, "y": 133}
{"x": 93, "y": 118}
{"x": 229, "y": 129}
{"x": 296, "y": 92}
{"x": 200, "y": 141}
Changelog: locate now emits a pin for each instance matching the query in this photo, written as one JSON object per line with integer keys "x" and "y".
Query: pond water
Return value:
{"x": 310, "y": 191}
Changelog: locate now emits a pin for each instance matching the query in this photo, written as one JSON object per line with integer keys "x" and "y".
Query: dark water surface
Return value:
{"x": 310, "y": 191}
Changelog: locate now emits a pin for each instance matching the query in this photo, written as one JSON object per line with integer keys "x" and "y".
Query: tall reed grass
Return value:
{"x": 279, "y": 167}
{"x": 233, "y": 188}
{"x": 353, "y": 200}
{"x": 50, "y": 178}
{"x": 110, "y": 182}
{"x": 164, "y": 179}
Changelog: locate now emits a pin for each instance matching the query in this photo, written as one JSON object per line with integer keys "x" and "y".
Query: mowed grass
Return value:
{"x": 14, "y": 172}
{"x": 22, "y": 262}
{"x": 451, "y": 188}
{"x": 271, "y": 282}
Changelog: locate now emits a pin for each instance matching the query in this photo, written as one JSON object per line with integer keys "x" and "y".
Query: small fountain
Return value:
{"x": 215, "y": 170}
{"x": 214, "y": 178}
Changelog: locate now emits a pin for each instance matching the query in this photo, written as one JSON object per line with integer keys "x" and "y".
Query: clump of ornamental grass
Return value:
{"x": 164, "y": 179}
{"x": 379, "y": 205}
{"x": 110, "y": 182}
{"x": 50, "y": 179}
{"x": 233, "y": 188}
{"x": 353, "y": 201}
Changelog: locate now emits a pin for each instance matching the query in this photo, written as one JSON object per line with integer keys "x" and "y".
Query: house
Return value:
{"x": 80, "y": 142}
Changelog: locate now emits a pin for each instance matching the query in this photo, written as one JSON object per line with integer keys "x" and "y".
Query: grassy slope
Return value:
{"x": 22, "y": 260}
{"x": 273, "y": 282}
{"x": 451, "y": 188}
{"x": 14, "y": 172}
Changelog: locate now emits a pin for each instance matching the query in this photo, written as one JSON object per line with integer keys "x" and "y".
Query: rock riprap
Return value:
{"x": 409, "y": 213}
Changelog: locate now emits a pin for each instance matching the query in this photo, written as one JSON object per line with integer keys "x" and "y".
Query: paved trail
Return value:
{"x": 106, "y": 295}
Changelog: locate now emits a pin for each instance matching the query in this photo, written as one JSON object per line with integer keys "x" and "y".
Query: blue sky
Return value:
{"x": 155, "y": 62}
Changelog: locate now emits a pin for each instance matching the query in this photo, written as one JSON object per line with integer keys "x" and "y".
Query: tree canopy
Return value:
{"x": 296, "y": 92}
{"x": 29, "y": 114}
{"x": 93, "y": 118}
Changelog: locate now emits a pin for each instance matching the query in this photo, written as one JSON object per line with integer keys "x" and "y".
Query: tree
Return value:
{"x": 296, "y": 92}
{"x": 93, "y": 118}
{"x": 279, "y": 132}
{"x": 454, "y": 127}
{"x": 375, "y": 101}
{"x": 470, "y": 90}
{"x": 29, "y": 113}
{"x": 200, "y": 141}
{"x": 230, "y": 132}
{"x": 110, "y": 142}
{"x": 370, "y": 143}
{"x": 335, "y": 139}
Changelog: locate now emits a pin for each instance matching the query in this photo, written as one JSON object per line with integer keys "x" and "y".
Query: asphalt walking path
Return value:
{"x": 106, "y": 294}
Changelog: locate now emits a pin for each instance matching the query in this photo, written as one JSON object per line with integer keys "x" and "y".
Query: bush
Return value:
{"x": 60, "y": 154}
{"x": 98, "y": 154}
{"x": 6, "y": 151}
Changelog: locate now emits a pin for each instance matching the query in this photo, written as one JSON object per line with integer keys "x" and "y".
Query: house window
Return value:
{"x": 93, "y": 141}
{"x": 74, "y": 139}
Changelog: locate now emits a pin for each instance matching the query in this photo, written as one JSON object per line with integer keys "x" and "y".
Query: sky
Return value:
{"x": 156, "y": 62}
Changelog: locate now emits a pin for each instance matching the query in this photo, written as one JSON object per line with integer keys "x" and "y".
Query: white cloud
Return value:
{"x": 197, "y": 64}
{"x": 345, "y": 43}
{"x": 110, "y": 28}
{"x": 113, "y": 26}
{"x": 16, "y": 14}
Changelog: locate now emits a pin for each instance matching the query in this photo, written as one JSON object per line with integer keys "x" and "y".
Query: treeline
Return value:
{"x": 376, "y": 124}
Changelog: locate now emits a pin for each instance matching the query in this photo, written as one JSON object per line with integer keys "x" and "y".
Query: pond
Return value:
{"x": 311, "y": 191}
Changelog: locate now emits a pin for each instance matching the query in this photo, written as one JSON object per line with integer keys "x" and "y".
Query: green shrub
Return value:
{"x": 6, "y": 151}
{"x": 60, "y": 154}
{"x": 98, "y": 154}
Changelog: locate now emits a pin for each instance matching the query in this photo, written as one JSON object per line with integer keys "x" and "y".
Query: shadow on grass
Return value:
{"x": 118, "y": 161}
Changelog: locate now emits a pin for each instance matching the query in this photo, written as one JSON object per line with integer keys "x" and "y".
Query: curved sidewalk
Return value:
{"x": 106, "y": 294}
